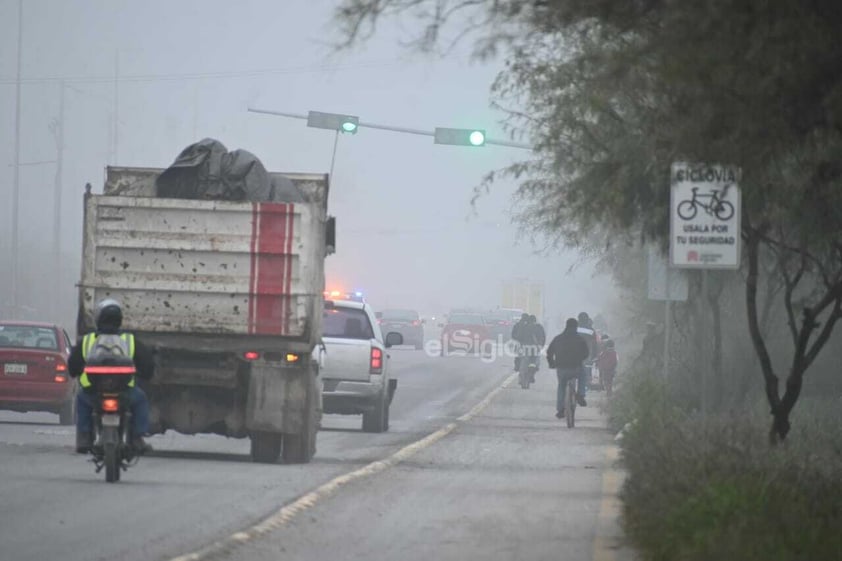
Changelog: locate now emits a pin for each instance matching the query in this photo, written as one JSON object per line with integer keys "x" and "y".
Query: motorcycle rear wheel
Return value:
{"x": 112, "y": 463}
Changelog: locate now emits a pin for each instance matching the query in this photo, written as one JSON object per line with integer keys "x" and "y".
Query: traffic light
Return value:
{"x": 460, "y": 137}
{"x": 333, "y": 121}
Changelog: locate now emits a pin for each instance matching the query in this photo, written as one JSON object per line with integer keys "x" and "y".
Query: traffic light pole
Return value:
{"x": 391, "y": 128}
{"x": 333, "y": 157}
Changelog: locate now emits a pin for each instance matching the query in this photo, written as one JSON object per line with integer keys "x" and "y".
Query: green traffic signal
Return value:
{"x": 459, "y": 137}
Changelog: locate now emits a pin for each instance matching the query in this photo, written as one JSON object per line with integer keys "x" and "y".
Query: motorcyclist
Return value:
{"x": 539, "y": 330}
{"x": 109, "y": 318}
{"x": 567, "y": 353}
{"x": 516, "y": 336}
{"x": 532, "y": 339}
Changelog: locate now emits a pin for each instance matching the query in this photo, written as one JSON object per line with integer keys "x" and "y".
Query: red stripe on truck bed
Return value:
{"x": 271, "y": 268}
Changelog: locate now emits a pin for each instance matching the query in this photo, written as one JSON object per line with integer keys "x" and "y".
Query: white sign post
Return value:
{"x": 704, "y": 216}
{"x": 668, "y": 285}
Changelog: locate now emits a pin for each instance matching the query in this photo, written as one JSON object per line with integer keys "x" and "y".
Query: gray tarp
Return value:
{"x": 207, "y": 170}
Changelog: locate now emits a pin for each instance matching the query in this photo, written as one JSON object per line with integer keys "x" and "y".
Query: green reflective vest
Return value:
{"x": 88, "y": 342}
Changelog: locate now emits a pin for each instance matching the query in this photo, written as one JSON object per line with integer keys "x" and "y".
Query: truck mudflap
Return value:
{"x": 278, "y": 398}
{"x": 393, "y": 385}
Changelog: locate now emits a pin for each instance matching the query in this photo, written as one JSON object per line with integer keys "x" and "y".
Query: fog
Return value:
{"x": 407, "y": 234}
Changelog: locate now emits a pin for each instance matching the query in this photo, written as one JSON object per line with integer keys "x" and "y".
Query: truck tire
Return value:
{"x": 299, "y": 448}
{"x": 377, "y": 420}
{"x": 266, "y": 447}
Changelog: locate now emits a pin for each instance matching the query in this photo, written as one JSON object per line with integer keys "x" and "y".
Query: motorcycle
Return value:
{"x": 528, "y": 367}
{"x": 112, "y": 416}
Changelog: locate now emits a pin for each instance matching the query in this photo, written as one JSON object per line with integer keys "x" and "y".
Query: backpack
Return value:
{"x": 109, "y": 348}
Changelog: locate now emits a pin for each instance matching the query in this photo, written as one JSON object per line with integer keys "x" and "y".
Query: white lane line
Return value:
{"x": 287, "y": 513}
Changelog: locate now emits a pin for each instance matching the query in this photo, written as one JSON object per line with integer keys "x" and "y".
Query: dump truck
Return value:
{"x": 228, "y": 294}
{"x": 524, "y": 294}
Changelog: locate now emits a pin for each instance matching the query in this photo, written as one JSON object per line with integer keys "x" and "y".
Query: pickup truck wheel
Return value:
{"x": 265, "y": 447}
{"x": 378, "y": 419}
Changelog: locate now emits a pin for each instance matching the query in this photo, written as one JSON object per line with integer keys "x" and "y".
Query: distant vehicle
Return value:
{"x": 354, "y": 364}
{"x": 500, "y": 323}
{"x": 33, "y": 360}
{"x": 406, "y": 322}
{"x": 463, "y": 332}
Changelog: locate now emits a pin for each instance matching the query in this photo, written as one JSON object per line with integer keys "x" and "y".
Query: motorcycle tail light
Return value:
{"x": 110, "y": 405}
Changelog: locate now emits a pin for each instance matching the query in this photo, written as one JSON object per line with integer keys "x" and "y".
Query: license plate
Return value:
{"x": 111, "y": 420}
{"x": 14, "y": 369}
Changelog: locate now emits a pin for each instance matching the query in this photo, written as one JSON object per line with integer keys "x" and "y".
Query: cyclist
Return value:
{"x": 566, "y": 354}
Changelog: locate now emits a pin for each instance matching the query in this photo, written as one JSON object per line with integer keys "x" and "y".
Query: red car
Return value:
{"x": 464, "y": 332}
{"x": 33, "y": 369}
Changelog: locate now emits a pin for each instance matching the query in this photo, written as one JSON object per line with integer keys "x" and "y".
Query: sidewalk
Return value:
{"x": 511, "y": 483}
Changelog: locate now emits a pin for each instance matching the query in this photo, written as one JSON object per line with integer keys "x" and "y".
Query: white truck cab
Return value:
{"x": 354, "y": 364}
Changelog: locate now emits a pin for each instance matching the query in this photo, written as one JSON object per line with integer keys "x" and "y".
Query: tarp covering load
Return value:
{"x": 207, "y": 170}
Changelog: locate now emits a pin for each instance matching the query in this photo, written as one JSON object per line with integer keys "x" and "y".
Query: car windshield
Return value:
{"x": 498, "y": 316}
{"x": 466, "y": 319}
{"x": 346, "y": 323}
{"x": 400, "y": 315}
{"x": 28, "y": 337}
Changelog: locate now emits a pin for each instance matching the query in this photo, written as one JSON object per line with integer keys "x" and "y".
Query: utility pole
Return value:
{"x": 115, "y": 140}
{"x": 13, "y": 268}
{"x": 57, "y": 203}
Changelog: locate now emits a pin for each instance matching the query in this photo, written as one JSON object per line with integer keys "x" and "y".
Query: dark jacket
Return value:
{"x": 517, "y": 329}
{"x": 567, "y": 350}
{"x": 143, "y": 360}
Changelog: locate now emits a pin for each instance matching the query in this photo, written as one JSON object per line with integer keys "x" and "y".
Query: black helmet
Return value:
{"x": 533, "y": 319}
{"x": 583, "y": 316}
{"x": 109, "y": 315}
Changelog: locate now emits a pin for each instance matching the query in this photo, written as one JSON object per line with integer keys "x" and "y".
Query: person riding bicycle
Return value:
{"x": 591, "y": 337}
{"x": 109, "y": 318}
{"x": 567, "y": 353}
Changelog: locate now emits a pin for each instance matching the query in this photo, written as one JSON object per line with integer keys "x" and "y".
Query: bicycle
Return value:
{"x": 570, "y": 402}
{"x": 723, "y": 210}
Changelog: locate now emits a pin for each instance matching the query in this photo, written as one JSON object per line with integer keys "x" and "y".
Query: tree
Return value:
{"x": 612, "y": 92}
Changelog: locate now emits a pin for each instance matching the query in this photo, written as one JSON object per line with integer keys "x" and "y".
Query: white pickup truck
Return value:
{"x": 354, "y": 364}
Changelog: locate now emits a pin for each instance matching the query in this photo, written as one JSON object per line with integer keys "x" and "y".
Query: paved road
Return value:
{"x": 458, "y": 495}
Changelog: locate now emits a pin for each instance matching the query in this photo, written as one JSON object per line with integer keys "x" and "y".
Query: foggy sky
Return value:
{"x": 407, "y": 235}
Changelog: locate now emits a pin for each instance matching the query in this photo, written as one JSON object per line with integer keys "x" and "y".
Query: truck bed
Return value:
{"x": 203, "y": 268}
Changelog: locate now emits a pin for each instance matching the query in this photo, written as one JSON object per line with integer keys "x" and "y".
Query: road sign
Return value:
{"x": 704, "y": 216}
{"x": 665, "y": 283}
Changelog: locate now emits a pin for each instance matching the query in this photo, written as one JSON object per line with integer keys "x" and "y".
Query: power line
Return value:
{"x": 103, "y": 79}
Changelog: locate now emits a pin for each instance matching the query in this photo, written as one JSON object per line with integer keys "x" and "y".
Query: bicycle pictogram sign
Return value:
{"x": 715, "y": 205}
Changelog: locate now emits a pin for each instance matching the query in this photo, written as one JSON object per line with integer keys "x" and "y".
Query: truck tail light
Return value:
{"x": 251, "y": 355}
{"x": 416, "y": 322}
{"x": 376, "y": 363}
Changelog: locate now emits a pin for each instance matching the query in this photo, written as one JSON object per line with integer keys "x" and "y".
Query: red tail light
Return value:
{"x": 251, "y": 355}
{"x": 59, "y": 379}
{"x": 416, "y": 322}
{"x": 61, "y": 367}
{"x": 110, "y": 405}
{"x": 376, "y": 363}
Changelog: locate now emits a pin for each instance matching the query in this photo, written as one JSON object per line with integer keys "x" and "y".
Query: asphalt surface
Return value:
{"x": 510, "y": 483}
